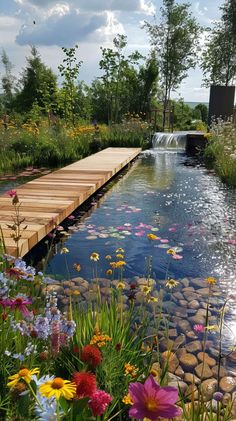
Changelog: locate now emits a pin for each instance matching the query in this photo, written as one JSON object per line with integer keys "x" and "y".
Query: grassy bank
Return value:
{"x": 220, "y": 153}
{"x": 47, "y": 145}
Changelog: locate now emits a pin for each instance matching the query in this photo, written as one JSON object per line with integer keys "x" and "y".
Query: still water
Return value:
{"x": 185, "y": 206}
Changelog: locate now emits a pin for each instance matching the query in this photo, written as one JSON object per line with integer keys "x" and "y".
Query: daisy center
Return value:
{"x": 18, "y": 300}
{"x": 57, "y": 383}
{"x": 151, "y": 404}
{"x": 23, "y": 372}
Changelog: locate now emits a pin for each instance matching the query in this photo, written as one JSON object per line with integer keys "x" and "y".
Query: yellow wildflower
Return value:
{"x": 212, "y": 328}
{"x": 127, "y": 400}
{"x": 211, "y": 281}
{"x": 120, "y": 250}
{"x": 130, "y": 370}
{"x": 94, "y": 256}
{"x": 58, "y": 388}
{"x": 64, "y": 250}
{"x": 145, "y": 289}
{"x": 171, "y": 251}
{"x": 120, "y": 285}
{"x": 100, "y": 340}
{"x": 171, "y": 283}
{"x": 23, "y": 374}
{"x": 109, "y": 272}
{"x": 108, "y": 257}
{"x": 120, "y": 256}
{"x": 120, "y": 263}
{"x": 152, "y": 299}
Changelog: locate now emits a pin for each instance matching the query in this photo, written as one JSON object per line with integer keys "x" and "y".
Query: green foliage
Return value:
{"x": 200, "y": 112}
{"x": 218, "y": 59}
{"x": 69, "y": 71}
{"x": 176, "y": 41}
{"x": 37, "y": 85}
{"x": 220, "y": 152}
{"x": 7, "y": 82}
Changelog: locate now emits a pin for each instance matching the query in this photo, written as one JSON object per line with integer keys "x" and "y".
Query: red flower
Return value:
{"x": 75, "y": 349}
{"x": 86, "y": 384}
{"x": 11, "y": 193}
{"x": 91, "y": 355}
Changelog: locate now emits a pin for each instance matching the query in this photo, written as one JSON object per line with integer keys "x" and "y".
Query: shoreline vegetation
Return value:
{"x": 113, "y": 348}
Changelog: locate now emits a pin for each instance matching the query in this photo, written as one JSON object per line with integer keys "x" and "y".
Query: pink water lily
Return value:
{"x": 177, "y": 257}
{"x": 152, "y": 401}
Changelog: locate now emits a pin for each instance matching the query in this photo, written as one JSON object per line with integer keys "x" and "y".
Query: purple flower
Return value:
{"x": 218, "y": 396}
{"x": 152, "y": 401}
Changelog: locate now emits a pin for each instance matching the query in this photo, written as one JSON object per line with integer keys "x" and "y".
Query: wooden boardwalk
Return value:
{"x": 56, "y": 195}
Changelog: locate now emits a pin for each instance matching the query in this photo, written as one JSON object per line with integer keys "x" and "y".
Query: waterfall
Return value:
{"x": 169, "y": 140}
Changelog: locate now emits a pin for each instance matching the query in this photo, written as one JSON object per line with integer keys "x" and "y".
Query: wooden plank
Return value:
{"x": 48, "y": 200}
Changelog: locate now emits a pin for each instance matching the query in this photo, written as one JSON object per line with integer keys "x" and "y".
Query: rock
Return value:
{"x": 68, "y": 283}
{"x": 171, "y": 360}
{"x": 194, "y": 304}
{"x": 198, "y": 319}
{"x": 183, "y": 303}
{"x": 179, "y": 385}
{"x": 145, "y": 281}
{"x": 191, "y": 335}
{"x": 223, "y": 372}
{"x": 188, "y": 289}
{"x": 191, "y": 393}
{"x": 178, "y": 295}
{"x": 188, "y": 361}
{"x": 194, "y": 346}
{"x": 180, "y": 312}
{"x": 232, "y": 357}
{"x": 179, "y": 371}
{"x": 199, "y": 282}
{"x": 190, "y": 378}
{"x": 156, "y": 371}
{"x": 184, "y": 325}
{"x": 214, "y": 352}
{"x": 203, "y": 371}
{"x": 106, "y": 291}
{"x": 203, "y": 291}
{"x": 166, "y": 344}
{"x": 53, "y": 288}
{"x": 185, "y": 282}
{"x": 203, "y": 356}
{"x": 172, "y": 333}
{"x": 202, "y": 312}
{"x": 179, "y": 341}
{"x": 208, "y": 388}
{"x": 227, "y": 384}
{"x": 190, "y": 296}
{"x": 227, "y": 399}
{"x": 180, "y": 351}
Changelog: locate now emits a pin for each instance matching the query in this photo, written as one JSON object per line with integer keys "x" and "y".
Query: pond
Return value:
{"x": 185, "y": 206}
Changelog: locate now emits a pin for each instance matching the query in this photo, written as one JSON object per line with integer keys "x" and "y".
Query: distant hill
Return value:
{"x": 193, "y": 104}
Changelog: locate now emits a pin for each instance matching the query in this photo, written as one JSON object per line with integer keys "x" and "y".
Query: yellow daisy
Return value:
{"x": 120, "y": 250}
{"x": 58, "y": 387}
{"x": 120, "y": 285}
{"x": 211, "y": 281}
{"x": 109, "y": 272}
{"x": 171, "y": 283}
{"x": 94, "y": 256}
{"x": 145, "y": 289}
{"x": 108, "y": 257}
{"x": 23, "y": 374}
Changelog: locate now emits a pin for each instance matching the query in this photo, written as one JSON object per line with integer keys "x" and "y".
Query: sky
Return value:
{"x": 52, "y": 24}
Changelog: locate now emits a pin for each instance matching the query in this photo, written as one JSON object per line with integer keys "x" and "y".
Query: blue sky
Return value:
{"x": 91, "y": 24}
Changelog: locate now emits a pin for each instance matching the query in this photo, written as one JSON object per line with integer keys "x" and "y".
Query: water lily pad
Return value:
{"x": 91, "y": 237}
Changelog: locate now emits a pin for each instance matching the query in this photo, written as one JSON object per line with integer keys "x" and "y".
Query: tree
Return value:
{"x": 7, "y": 82}
{"x": 69, "y": 71}
{"x": 116, "y": 68}
{"x": 175, "y": 40}
{"x": 219, "y": 56}
{"x": 202, "y": 110}
{"x": 37, "y": 85}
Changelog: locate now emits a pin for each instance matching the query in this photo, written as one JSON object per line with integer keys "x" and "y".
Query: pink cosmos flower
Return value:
{"x": 99, "y": 402}
{"x": 177, "y": 257}
{"x": 152, "y": 401}
{"x": 199, "y": 328}
{"x": 11, "y": 193}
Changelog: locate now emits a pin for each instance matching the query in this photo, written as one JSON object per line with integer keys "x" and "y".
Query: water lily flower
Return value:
{"x": 171, "y": 251}
{"x": 152, "y": 401}
{"x": 64, "y": 250}
{"x": 199, "y": 328}
{"x": 177, "y": 257}
{"x": 152, "y": 237}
